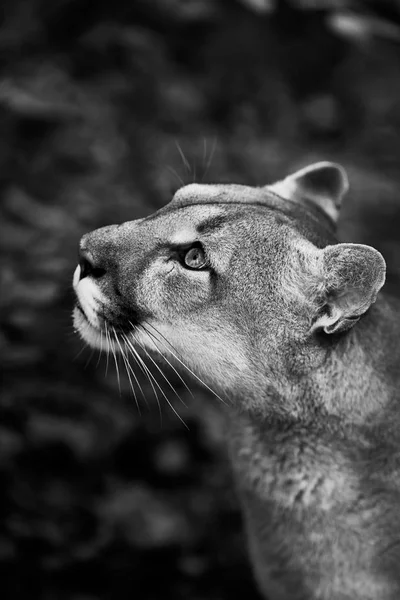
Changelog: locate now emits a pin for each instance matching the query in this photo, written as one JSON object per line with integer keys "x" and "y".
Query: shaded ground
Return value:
{"x": 97, "y": 105}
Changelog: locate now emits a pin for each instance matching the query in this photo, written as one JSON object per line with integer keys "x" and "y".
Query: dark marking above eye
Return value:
{"x": 211, "y": 223}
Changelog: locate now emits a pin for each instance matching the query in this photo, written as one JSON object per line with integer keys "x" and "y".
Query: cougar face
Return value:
{"x": 232, "y": 280}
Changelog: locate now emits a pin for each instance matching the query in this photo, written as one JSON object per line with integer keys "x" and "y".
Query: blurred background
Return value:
{"x": 106, "y": 108}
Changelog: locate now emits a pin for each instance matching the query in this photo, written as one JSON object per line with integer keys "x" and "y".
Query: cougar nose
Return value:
{"x": 88, "y": 265}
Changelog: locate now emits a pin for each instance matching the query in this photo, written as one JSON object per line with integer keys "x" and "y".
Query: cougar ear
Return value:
{"x": 323, "y": 183}
{"x": 350, "y": 277}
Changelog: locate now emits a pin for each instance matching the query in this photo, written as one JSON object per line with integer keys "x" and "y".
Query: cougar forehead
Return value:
{"x": 196, "y": 193}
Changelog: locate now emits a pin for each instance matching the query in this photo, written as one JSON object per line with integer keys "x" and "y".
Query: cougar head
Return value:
{"x": 246, "y": 286}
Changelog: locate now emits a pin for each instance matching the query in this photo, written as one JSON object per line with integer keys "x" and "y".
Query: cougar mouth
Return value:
{"x": 96, "y": 316}
{"x": 88, "y": 319}
{"x": 82, "y": 314}
{"x": 88, "y": 332}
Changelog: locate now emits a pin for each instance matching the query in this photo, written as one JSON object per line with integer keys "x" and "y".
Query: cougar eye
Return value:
{"x": 195, "y": 258}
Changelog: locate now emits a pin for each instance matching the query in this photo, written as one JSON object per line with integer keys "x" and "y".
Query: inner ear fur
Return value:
{"x": 349, "y": 278}
{"x": 322, "y": 183}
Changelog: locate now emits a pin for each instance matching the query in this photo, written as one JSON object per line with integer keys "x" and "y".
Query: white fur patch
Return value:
{"x": 88, "y": 333}
{"x": 198, "y": 191}
{"x": 89, "y": 297}
{"x": 184, "y": 236}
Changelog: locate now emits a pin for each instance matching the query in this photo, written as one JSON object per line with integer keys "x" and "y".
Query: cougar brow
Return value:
{"x": 211, "y": 224}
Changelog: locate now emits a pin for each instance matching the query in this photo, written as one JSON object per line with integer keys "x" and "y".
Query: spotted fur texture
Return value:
{"x": 291, "y": 329}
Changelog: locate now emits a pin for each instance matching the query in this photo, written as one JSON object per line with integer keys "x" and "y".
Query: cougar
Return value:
{"x": 250, "y": 289}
